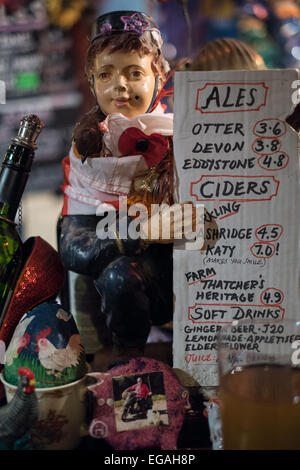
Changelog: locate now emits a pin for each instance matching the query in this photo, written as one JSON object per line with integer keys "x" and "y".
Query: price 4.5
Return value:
{"x": 270, "y": 232}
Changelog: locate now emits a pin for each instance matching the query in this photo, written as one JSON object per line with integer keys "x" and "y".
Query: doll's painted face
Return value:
{"x": 123, "y": 83}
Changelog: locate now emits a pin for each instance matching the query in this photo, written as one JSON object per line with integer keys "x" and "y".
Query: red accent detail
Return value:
{"x": 113, "y": 203}
{"x": 228, "y": 215}
{"x": 201, "y": 280}
{"x": 157, "y": 145}
{"x": 43, "y": 333}
{"x": 26, "y": 336}
{"x": 164, "y": 92}
{"x": 42, "y": 277}
{"x": 212, "y": 400}
{"x": 27, "y": 372}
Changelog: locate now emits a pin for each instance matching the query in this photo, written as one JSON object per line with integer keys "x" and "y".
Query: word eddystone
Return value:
{"x": 163, "y": 218}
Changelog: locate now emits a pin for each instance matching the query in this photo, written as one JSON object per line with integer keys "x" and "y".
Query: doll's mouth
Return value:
{"x": 120, "y": 102}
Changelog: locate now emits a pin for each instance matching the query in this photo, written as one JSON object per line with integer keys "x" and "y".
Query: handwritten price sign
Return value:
{"x": 236, "y": 154}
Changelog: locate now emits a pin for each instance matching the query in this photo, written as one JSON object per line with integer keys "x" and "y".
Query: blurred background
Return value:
{"x": 42, "y": 54}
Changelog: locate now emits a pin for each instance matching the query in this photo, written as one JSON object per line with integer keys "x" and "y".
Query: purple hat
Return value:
{"x": 134, "y": 22}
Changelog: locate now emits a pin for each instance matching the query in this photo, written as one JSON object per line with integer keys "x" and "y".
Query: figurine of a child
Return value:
{"x": 122, "y": 148}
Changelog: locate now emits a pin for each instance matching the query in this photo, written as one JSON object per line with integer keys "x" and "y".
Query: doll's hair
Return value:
{"x": 227, "y": 54}
{"x": 127, "y": 42}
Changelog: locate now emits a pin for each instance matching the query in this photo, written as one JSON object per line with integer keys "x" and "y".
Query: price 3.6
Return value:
{"x": 270, "y": 128}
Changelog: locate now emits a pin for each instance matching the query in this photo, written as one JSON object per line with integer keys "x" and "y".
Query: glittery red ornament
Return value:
{"x": 42, "y": 277}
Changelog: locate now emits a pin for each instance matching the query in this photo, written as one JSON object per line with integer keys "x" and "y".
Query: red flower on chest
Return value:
{"x": 134, "y": 142}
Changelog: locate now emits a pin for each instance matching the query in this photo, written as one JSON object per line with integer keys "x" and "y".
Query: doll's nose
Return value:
{"x": 120, "y": 83}
{"x": 120, "y": 88}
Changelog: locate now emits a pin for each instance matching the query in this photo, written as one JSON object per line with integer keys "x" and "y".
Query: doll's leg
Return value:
{"x": 82, "y": 251}
{"x": 136, "y": 292}
{"x": 125, "y": 302}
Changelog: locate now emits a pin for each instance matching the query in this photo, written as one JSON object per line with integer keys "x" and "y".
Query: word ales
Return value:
{"x": 230, "y": 97}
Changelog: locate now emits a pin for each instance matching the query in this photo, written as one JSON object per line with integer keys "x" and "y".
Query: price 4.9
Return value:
{"x": 272, "y": 296}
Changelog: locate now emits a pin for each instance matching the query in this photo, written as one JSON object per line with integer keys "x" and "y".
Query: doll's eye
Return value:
{"x": 104, "y": 76}
{"x": 136, "y": 74}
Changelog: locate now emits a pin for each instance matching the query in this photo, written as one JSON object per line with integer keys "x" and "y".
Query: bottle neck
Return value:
{"x": 13, "y": 177}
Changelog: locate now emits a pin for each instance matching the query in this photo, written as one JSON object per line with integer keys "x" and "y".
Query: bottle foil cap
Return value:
{"x": 29, "y": 130}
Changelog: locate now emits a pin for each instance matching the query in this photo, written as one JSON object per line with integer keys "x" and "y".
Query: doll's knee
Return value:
{"x": 119, "y": 278}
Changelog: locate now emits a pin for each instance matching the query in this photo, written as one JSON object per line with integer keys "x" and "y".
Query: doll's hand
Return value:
{"x": 170, "y": 223}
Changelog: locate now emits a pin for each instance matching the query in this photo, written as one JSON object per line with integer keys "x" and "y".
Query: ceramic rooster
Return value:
{"x": 20, "y": 414}
{"x": 55, "y": 360}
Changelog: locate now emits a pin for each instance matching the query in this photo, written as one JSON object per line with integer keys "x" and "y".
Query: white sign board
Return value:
{"x": 235, "y": 154}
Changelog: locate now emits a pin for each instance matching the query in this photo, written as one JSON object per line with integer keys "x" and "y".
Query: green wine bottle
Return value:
{"x": 14, "y": 173}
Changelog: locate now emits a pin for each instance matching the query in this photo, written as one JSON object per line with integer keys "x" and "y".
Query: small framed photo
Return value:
{"x": 139, "y": 401}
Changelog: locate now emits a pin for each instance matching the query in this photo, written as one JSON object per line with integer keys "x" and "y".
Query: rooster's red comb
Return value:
{"x": 44, "y": 333}
{"x": 27, "y": 372}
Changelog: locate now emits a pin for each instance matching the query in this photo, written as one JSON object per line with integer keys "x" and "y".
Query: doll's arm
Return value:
{"x": 83, "y": 252}
{"x": 170, "y": 221}
{"x": 172, "y": 217}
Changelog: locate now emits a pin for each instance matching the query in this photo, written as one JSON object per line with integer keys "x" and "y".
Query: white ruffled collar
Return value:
{"x": 115, "y": 124}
